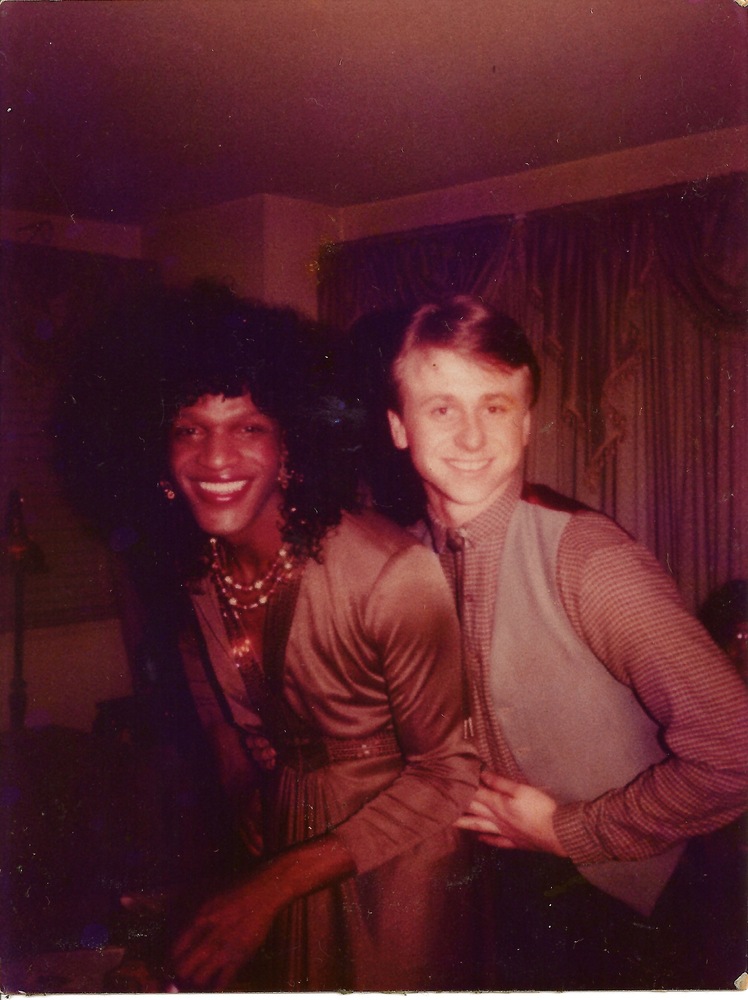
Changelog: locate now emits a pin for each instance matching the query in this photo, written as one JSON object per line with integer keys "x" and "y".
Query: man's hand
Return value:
{"x": 508, "y": 814}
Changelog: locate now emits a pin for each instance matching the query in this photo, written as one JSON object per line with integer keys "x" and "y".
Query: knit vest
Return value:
{"x": 574, "y": 730}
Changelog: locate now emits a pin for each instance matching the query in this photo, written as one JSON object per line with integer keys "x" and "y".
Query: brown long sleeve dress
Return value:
{"x": 373, "y": 649}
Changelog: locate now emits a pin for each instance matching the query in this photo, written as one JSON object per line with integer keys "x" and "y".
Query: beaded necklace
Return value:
{"x": 232, "y": 605}
{"x": 232, "y": 590}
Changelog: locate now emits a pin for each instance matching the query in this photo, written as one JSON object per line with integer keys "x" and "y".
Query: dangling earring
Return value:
{"x": 287, "y": 476}
{"x": 167, "y": 489}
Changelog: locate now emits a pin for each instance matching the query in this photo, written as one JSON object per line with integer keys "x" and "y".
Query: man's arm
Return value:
{"x": 628, "y": 611}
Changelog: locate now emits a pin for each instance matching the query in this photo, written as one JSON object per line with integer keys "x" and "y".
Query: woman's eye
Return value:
{"x": 255, "y": 429}
{"x": 441, "y": 411}
{"x": 183, "y": 431}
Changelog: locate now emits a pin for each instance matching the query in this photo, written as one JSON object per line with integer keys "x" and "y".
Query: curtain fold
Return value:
{"x": 403, "y": 271}
{"x": 700, "y": 242}
{"x": 637, "y": 309}
{"x": 589, "y": 270}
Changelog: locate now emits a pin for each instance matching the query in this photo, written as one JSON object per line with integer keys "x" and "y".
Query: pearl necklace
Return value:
{"x": 260, "y": 589}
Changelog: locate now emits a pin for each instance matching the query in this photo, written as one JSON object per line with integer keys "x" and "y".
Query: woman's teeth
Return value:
{"x": 223, "y": 488}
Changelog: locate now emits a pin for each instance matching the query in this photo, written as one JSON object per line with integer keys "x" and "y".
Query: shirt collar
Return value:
{"x": 484, "y": 527}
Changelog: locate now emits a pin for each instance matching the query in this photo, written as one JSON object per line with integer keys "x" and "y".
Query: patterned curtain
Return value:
{"x": 637, "y": 308}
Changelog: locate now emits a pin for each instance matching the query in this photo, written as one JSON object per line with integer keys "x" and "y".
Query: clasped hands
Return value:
{"x": 509, "y": 814}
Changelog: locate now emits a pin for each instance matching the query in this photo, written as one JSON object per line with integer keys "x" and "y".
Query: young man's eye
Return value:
{"x": 498, "y": 408}
{"x": 440, "y": 411}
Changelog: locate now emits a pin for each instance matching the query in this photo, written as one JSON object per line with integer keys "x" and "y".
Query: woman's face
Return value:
{"x": 225, "y": 456}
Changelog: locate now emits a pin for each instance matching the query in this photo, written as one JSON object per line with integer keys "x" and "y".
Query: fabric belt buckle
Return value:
{"x": 306, "y": 755}
{"x": 379, "y": 745}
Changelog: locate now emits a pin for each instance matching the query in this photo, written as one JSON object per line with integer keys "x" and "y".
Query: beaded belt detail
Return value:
{"x": 310, "y": 754}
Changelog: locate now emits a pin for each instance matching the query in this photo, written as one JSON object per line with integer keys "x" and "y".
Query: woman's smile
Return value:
{"x": 222, "y": 491}
{"x": 225, "y": 456}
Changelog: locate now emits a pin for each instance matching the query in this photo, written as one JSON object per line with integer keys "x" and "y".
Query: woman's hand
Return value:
{"x": 229, "y": 929}
{"x": 226, "y": 933}
{"x": 508, "y": 814}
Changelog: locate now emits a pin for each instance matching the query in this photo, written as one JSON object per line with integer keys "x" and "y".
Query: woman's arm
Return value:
{"x": 411, "y": 619}
{"x": 230, "y": 927}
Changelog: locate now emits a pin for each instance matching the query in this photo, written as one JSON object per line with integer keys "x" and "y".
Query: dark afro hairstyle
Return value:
{"x": 373, "y": 342}
{"x": 165, "y": 350}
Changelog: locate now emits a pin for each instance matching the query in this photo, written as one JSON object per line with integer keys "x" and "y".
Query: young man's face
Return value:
{"x": 466, "y": 422}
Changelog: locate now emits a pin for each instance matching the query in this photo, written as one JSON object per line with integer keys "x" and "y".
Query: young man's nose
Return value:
{"x": 470, "y": 434}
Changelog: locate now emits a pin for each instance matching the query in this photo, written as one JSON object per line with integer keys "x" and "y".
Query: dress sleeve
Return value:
{"x": 411, "y": 620}
{"x": 629, "y": 612}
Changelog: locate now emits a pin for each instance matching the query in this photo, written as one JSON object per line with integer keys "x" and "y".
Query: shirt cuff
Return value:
{"x": 580, "y": 846}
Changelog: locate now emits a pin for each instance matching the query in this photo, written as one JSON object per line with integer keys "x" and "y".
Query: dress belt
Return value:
{"x": 309, "y": 754}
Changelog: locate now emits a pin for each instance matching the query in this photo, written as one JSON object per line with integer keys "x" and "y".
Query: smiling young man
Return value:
{"x": 466, "y": 422}
{"x": 612, "y": 728}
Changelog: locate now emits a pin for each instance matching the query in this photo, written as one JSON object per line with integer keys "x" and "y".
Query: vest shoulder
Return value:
{"x": 583, "y": 527}
{"x": 589, "y": 532}
{"x": 585, "y": 520}
{"x": 543, "y": 496}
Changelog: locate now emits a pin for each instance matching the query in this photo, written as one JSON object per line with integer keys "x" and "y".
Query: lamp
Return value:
{"x": 20, "y": 555}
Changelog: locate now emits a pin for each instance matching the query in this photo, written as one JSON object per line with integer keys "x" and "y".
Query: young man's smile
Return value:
{"x": 469, "y": 465}
{"x": 466, "y": 422}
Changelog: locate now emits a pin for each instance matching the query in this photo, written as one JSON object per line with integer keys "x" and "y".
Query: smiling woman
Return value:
{"x": 160, "y": 359}
{"x": 318, "y": 643}
{"x": 225, "y": 457}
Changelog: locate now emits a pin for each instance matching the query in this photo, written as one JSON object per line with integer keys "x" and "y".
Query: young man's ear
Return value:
{"x": 526, "y": 427}
{"x": 397, "y": 430}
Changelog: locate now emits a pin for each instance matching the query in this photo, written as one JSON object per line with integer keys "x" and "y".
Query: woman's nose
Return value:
{"x": 216, "y": 451}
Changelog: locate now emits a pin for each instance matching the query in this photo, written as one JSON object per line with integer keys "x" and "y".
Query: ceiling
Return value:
{"x": 121, "y": 110}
